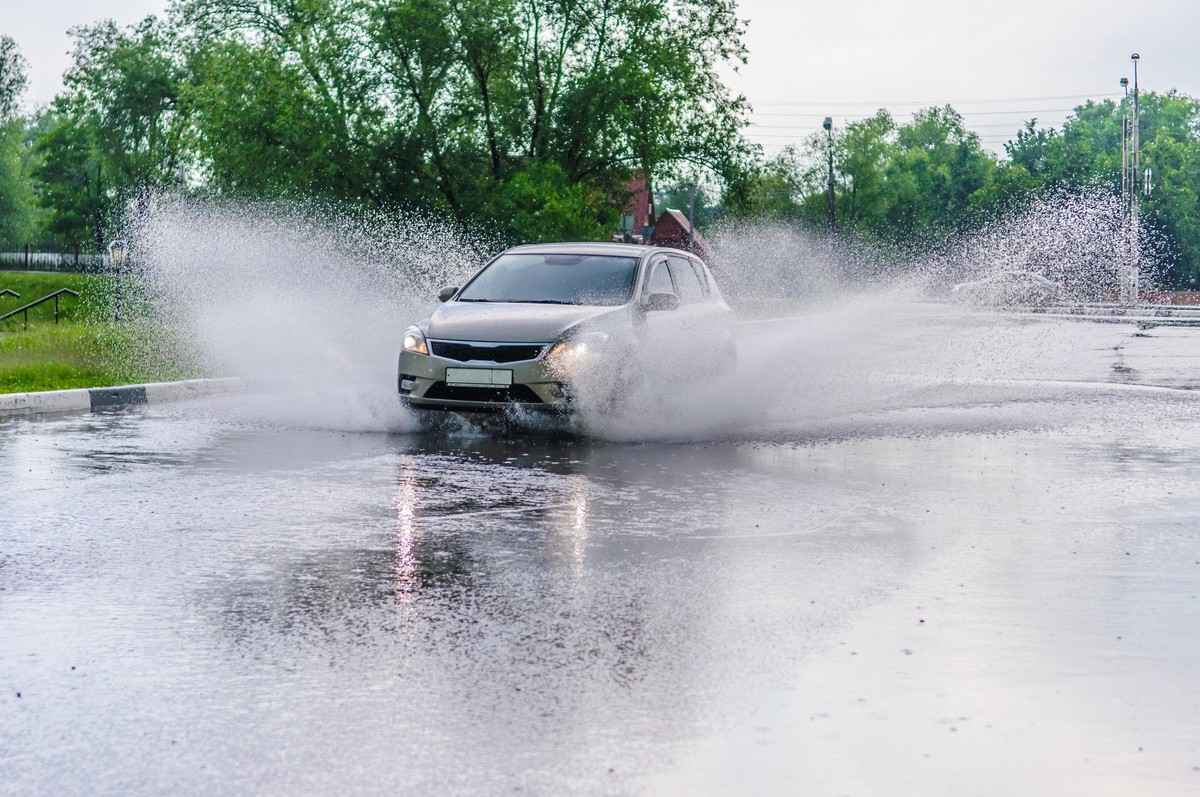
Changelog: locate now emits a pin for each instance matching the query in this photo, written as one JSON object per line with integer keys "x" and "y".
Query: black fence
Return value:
{"x": 28, "y": 259}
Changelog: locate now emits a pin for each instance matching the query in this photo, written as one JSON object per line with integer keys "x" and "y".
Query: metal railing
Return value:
{"x": 25, "y": 310}
{"x": 10, "y": 292}
{"x": 28, "y": 260}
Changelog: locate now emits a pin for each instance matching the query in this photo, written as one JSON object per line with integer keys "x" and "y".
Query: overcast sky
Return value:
{"x": 846, "y": 58}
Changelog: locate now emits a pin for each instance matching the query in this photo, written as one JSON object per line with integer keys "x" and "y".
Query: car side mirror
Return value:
{"x": 445, "y": 294}
{"x": 662, "y": 301}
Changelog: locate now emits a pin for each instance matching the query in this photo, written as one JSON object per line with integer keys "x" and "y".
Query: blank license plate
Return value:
{"x": 478, "y": 377}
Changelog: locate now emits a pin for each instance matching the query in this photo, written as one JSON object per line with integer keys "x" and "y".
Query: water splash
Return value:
{"x": 866, "y": 328}
{"x": 308, "y": 303}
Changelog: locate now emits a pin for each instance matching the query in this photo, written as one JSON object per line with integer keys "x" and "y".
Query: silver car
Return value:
{"x": 539, "y": 327}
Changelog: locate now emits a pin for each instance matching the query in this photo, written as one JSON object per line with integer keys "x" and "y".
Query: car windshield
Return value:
{"x": 554, "y": 279}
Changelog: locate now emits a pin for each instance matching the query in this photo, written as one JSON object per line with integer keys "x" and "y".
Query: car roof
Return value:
{"x": 582, "y": 248}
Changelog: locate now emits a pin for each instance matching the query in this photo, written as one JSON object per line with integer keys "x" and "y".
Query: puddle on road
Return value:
{"x": 937, "y": 590}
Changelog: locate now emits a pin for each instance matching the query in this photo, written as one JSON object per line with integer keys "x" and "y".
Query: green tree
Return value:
{"x": 938, "y": 169}
{"x": 1171, "y": 149}
{"x": 284, "y": 98}
{"x": 862, "y": 155}
{"x": 125, "y": 85}
{"x": 14, "y": 78}
{"x": 115, "y": 133}
{"x": 776, "y": 189}
{"x": 70, "y": 179}
{"x": 16, "y": 198}
{"x": 1087, "y": 153}
{"x": 529, "y": 116}
{"x": 908, "y": 184}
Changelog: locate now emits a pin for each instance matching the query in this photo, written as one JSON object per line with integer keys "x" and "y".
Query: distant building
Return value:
{"x": 637, "y": 217}
{"x": 674, "y": 230}
{"x": 671, "y": 228}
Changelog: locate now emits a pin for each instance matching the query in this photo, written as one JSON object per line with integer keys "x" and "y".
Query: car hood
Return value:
{"x": 512, "y": 322}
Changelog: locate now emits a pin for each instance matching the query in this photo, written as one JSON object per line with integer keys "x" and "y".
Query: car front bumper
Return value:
{"x": 423, "y": 383}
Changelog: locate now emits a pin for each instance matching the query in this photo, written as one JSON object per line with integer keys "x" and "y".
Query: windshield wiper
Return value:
{"x": 545, "y": 301}
{"x": 474, "y": 300}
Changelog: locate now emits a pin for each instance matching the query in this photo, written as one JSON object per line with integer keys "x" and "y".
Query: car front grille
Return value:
{"x": 515, "y": 394}
{"x": 504, "y": 353}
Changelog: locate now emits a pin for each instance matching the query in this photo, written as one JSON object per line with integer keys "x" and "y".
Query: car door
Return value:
{"x": 663, "y": 349}
{"x": 717, "y": 317}
{"x": 694, "y": 321}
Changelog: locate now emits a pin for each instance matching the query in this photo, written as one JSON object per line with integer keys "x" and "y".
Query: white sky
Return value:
{"x": 846, "y": 58}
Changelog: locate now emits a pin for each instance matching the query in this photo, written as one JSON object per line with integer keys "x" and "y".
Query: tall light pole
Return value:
{"x": 828, "y": 125}
{"x": 1124, "y": 266}
{"x": 116, "y": 251}
{"x": 691, "y": 216}
{"x": 1135, "y": 136}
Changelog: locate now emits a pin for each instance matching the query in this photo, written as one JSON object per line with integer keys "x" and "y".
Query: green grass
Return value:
{"x": 87, "y": 349}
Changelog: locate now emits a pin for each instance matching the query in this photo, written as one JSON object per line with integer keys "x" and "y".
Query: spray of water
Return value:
{"x": 856, "y": 328}
{"x": 308, "y": 304}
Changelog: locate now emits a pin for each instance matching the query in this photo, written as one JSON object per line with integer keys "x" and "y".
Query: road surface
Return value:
{"x": 917, "y": 563}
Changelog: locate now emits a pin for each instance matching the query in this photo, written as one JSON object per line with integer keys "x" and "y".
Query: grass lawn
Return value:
{"x": 87, "y": 349}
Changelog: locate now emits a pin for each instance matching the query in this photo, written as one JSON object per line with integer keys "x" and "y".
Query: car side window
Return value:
{"x": 685, "y": 279}
{"x": 660, "y": 279}
{"x": 700, "y": 275}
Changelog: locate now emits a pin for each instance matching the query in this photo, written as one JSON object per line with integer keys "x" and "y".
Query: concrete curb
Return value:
{"x": 98, "y": 398}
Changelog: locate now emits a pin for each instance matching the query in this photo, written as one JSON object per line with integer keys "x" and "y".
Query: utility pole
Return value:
{"x": 828, "y": 125}
{"x": 691, "y": 214}
{"x": 116, "y": 252}
{"x": 1134, "y": 264}
{"x": 1124, "y": 266}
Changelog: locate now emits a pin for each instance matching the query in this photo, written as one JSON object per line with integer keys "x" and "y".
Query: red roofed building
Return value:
{"x": 672, "y": 227}
{"x": 637, "y": 217}
{"x": 674, "y": 230}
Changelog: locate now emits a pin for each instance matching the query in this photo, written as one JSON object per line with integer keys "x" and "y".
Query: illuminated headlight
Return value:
{"x": 567, "y": 356}
{"x": 414, "y": 341}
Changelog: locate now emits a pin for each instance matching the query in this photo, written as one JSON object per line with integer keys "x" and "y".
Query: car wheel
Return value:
{"x": 630, "y": 379}
{"x": 727, "y": 361}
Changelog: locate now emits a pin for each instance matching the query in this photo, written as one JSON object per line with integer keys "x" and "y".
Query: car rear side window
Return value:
{"x": 690, "y": 290}
{"x": 700, "y": 275}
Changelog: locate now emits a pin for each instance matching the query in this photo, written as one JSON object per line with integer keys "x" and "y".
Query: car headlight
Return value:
{"x": 414, "y": 341}
{"x": 568, "y": 355}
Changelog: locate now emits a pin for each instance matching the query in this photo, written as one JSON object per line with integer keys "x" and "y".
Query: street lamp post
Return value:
{"x": 1124, "y": 266}
{"x": 691, "y": 216}
{"x": 828, "y": 125}
{"x": 116, "y": 251}
{"x": 1135, "y": 135}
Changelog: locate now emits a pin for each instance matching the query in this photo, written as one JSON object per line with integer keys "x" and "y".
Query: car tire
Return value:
{"x": 629, "y": 381}
{"x": 727, "y": 361}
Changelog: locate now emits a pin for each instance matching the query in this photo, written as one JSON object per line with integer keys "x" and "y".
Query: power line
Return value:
{"x": 797, "y": 138}
{"x": 807, "y": 129}
{"x": 1011, "y": 112}
{"x": 806, "y": 103}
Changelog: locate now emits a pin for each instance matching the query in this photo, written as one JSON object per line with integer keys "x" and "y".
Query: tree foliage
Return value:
{"x": 930, "y": 178}
{"x": 526, "y": 117}
{"x": 14, "y": 78}
{"x": 15, "y": 195}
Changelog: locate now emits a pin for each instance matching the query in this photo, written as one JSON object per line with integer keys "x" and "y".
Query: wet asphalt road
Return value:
{"x": 986, "y": 596}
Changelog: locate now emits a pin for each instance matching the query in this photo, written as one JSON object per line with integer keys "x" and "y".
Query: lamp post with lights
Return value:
{"x": 116, "y": 252}
{"x": 1124, "y": 266}
{"x": 1135, "y": 136}
{"x": 828, "y": 125}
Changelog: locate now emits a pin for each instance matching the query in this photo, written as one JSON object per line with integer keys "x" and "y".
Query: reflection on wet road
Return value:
{"x": 974, "y": 599}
